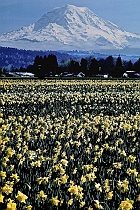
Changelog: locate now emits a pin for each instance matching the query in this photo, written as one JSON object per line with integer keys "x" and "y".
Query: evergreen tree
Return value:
{"x": 102, "y": 66}
{"x": 71, "y": 66}
{"x": 38, "y": 67}
{"x": 0, "y": 71}
{"x": 137, "y": 66}
{"x": 118, "y": 71}
{"x": 109, "y": 63}
{"x": 129, "y": 66}
{"x": 84, "y": 66}
{"x": 52, "y": 64}
{"x": 93, "y": 67}
{"x": 74, "y": 67}
{"x": 119, "y": 62}
{"x": 43, "y": 66}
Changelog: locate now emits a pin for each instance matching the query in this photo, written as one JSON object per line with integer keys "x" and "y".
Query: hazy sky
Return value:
{"x": 17, "y": 13}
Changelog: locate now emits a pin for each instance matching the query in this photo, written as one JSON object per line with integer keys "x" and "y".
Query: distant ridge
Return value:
{"x": 72, "y": 28}
{"x": 12, "y": 57}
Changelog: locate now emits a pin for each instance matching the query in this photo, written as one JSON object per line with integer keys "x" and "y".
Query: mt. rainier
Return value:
{"x": 71, "y": 28}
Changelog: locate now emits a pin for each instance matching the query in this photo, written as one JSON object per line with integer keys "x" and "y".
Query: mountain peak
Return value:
{"x": 71, "y": 28}
{"x": 69, "y": 6}
{"x": 73, "y": 7}
{"x": 61, "y": 16}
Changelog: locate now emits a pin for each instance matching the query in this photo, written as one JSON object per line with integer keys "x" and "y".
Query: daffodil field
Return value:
{"x": 69, "y": 144}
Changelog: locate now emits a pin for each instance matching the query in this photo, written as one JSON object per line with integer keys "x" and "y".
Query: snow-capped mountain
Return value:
{"x": 71, "y": 28}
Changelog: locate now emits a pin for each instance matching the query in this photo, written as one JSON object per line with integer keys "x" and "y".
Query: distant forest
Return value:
{"x": 51, "y": 63}
{"x": 15, "y": 58}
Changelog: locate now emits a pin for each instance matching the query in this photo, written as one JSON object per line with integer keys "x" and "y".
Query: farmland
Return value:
{"x": 69, "y": 144}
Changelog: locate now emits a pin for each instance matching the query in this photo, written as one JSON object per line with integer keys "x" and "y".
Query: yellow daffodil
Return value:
{"x": 132, "y": 172}
{"x": 15, "y": 177}
{"x": 138, "y": 197}
{"x": 11, "y": 205}
{"x": 55, "y": 201}
{"x": 131, "y": 158}
{"x": 64, "y": 179}
{"x": 3, "y": 174}
{"x": 70, "y": 202}
{"x": 21, "y": 197}
{"x": 10, "y": 152}
{"x": 117, "y": 165}
{"x": 98, "y": 205}
{"x": 41, "y": 195}
{"x": 64, "y": 162}
{"x": 74, "y": 171}
{"x": 126, "y": 205}
{"x": 98, "y": 187}
{"x": 1, "y": 198}
{"x": 90, "y": 208}
{"x": 7, "y": 189}
{"x": 61, "y": 202}
{"x": 109, "y": 195}
{"x": 29, "y": 207}
{"x": 123, "y": 185}
{"x": 11, "y": 167}
{"x": 106, "y": 186}
{"x": 83, "y": 179}
{"x": 82, "y": 203}
{"x": 73, "y": 189}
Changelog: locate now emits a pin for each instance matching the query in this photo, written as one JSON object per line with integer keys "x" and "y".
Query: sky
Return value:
{"x": 17, "y": 13}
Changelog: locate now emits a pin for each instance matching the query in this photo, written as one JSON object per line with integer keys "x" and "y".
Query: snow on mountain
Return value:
{"x": 71, "y": 28}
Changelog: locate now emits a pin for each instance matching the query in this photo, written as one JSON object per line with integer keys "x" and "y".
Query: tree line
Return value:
{"x": 46, "y": 66}
{"x": 90, "y": 67}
